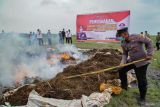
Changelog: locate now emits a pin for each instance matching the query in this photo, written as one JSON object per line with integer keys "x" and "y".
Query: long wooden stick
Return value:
{"x": 105, "y": 70}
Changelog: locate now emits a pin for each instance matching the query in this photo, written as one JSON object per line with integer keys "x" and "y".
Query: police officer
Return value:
{"x": 133, "y": 48}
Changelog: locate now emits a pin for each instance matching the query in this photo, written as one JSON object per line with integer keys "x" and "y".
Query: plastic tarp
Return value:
{"x": 94, "y": 100}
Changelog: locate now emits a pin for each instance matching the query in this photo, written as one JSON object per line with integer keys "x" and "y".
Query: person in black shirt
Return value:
{"x": 63, "y": 36}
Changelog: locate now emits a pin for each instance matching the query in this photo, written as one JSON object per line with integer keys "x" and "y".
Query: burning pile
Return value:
{"x": 72, "y": 88}
{"x": 64, "y": 57}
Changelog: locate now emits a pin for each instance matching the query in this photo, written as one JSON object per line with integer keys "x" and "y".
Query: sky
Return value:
{"x": 29, "y": 15}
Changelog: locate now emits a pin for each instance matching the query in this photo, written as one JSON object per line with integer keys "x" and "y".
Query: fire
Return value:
{"x": 60, "y": 56}
{"x": 65, "y": 56}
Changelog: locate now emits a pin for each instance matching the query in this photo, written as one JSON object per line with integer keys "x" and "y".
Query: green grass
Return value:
{"x": 125, "y": 99}
{"x": 91, "y": 45}
{"x": 129, "y": 98}
{"x": 156, "y": 60}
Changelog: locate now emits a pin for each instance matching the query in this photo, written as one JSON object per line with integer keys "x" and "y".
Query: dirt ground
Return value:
{"x": 154, "y": 73}
{"x": 75, "y": 87}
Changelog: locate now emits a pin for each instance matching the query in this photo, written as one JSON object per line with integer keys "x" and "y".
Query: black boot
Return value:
{"x": 143, "y": 91}
{"x": 142, "y": 102}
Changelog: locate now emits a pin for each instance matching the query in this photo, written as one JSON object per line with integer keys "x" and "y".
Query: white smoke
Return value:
{"x": 19, "y": 59}
{"x": 73, "y": 50}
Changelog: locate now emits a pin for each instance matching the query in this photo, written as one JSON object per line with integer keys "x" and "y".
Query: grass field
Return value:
{"x": 129, "y": 98}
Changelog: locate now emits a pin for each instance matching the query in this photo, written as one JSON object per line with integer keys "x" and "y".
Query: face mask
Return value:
{"x": 121, "y": 38}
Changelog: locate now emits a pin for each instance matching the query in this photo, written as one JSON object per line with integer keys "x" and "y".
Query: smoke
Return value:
{"x": 10, "y": 46}
{"x": 19, "y": 59}
{"x": 72, "y": 50}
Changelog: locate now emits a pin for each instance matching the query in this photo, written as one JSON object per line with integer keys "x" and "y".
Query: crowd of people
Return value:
{"x": 40, "y": 38}
{"x": 64, "y": 37}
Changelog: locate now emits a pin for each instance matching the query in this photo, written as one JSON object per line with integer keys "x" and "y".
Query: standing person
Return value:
{"x": 33, "y": 38}
{"x": 2, "y": 31}
{"x": 60, "y": 37}
{"x": 146, "y": 34}
{"x": 141, "y": 34}
{"x": 132, "y": 46}
{"x": 30, "y": 38}
{"x": 69, "y": 36}
{"x": 39, "y": 37}
{"x": 49, "y": 36}
{"x": 158, "y": 41}
{"x": 63, "y": 35}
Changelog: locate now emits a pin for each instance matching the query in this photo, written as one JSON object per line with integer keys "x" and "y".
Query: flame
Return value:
{"x": 65, "y": 56}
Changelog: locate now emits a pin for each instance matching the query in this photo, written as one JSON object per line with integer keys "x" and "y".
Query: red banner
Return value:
{"x": 101, "y": 26}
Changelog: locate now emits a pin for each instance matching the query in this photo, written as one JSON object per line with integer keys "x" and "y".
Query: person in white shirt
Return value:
{"x": 69, "y": 37}
{"x": 39, "y": 37}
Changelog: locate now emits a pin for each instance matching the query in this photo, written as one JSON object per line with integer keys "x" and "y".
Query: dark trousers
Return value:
{"x": 141, "y": 78}
{"x": 158, "y": 45}
{"x": 40, "y": 40}
{"x": 69, "y": 40}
